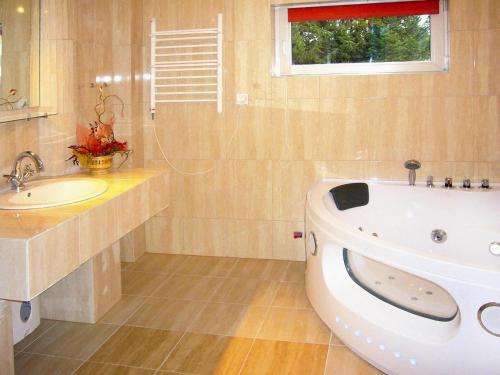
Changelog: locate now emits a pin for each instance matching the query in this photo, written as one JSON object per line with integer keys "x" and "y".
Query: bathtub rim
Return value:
{"x": 389, "y": 252}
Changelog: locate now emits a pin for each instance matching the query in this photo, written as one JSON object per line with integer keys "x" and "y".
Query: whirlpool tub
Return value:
{"x": 408, "y": 276}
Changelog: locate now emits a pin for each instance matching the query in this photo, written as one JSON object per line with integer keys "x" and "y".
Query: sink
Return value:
{"x": 52, "y": 193}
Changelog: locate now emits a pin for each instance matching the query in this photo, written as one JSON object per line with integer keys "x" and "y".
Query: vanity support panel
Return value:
{"x": 87, "y": 293}
{"x": 133, "y": 244}
{"x": 6, "y": 344}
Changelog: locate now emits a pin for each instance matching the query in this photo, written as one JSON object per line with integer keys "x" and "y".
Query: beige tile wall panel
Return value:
{"x": 356, "y": 126}
{"x": 42, "y": 246}
{"x": 6, "y": 344}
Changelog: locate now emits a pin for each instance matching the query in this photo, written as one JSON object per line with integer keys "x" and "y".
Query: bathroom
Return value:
{"x": 193, "y": 260}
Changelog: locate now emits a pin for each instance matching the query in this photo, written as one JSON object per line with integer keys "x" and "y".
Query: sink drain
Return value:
{"x": 438, "y": 235}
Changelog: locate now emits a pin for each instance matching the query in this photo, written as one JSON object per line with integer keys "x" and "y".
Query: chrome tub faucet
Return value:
{"x": 412, "y": 165}
{"x": 20, "y": 175}
{"x": 430, "y": 181}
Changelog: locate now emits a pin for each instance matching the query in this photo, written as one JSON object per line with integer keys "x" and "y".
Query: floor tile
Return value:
{"x": 189, "y": 287}
{"x": 174, "y": 315}
{"x": 159, "y": 263}
{"x": 335, "y": 341}
{"x": 292, "y": 295}
{"x": 93, "y": 368}
{"x": 247, "y": 291}
{"x": 35, "y": 364}
{"x": 208, "y": 354}
{"x": 124, "y": 265}
{"x": 295, "y": 272}
{"x": 345, "y": 362}
{"x": 141, "y": 283}
{"x": 206, "y": 266}
{"x": 230, "y": 320}
{"x": 73, "y": 340}
{"x": 122, "y": 310}
{"x": 260, "y": 269}
{"x": 285, "y": 358}
{"x": 139, "y": 347}
{"x": 45, "y": 324}
{"x": 297, "y": 325}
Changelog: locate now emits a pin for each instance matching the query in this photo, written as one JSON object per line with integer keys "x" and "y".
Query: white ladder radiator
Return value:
{"x": 186, "y": 65}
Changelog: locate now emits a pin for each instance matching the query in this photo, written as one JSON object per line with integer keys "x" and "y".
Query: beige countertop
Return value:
{"x": 39, "y": 247}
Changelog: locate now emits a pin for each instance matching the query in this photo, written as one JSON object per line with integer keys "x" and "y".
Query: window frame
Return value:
{"x": 283, "y": 48}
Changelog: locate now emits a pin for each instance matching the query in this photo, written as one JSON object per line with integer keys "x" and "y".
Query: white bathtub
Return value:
{"x": 400, "y": 300}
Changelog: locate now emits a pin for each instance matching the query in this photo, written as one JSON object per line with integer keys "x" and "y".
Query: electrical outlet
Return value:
{"x": 242, "y": 98}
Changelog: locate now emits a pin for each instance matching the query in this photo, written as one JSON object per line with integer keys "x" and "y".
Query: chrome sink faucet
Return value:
{"x": 412, "y": 165}
{"x": 19, "y": 176}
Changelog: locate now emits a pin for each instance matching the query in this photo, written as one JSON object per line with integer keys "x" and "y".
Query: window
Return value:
{"x": 361, "y": 37}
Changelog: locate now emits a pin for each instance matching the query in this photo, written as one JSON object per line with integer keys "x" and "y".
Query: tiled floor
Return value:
{"x": 197, "y": 315}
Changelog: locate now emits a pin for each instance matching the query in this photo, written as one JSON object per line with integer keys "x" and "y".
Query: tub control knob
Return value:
{"x": 448, "y": 182}
{"x": 430, "y": 181}
{"x": 489, "y": 318}
{"x": 495, "y": 248}
{"x": 466, "y": 184}
{"x": 485, "y": 183}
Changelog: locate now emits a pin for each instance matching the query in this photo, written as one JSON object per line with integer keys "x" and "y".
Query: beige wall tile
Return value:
{"x": 192, "y": 187}
{"x": 164, "y": 235}
{"x": 487, "y": 122}
{"x": 486, "y": 80}
{"x": 252, "y": 67}
{"x": 245, "y": 238}
{"x": 243, "y": 189}
{"x": 246, "y": 133}
{"x": 303, "y": 87}
{"x": 201, "y": 236}
{"x": 285, "y": 246}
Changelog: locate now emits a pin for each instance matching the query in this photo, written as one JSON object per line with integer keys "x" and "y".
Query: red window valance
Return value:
{"x": 374, "y": 10}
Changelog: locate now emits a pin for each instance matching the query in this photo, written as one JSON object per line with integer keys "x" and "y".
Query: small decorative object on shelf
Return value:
{"x": 97, "y": 148}
{"x": 10, "y": 101}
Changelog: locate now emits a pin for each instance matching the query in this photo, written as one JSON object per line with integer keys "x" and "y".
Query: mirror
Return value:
{"x": 19, "y": 54}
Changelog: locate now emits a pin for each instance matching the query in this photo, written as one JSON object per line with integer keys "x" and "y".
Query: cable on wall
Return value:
{"x": 186, "y": 67}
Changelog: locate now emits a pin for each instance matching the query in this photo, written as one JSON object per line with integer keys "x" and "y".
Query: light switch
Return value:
{"x": 242, "y": 98}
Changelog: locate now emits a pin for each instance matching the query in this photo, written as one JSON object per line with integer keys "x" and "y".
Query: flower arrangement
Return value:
{"x": 97, "y": 148}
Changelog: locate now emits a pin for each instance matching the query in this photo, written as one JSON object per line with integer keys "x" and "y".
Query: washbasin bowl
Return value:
{"x": 52, "y": 193}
